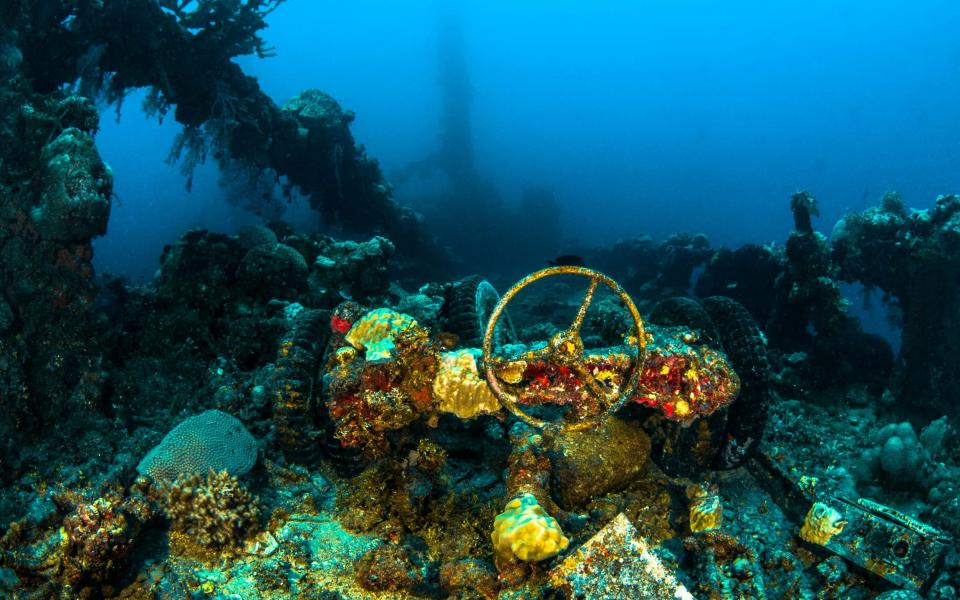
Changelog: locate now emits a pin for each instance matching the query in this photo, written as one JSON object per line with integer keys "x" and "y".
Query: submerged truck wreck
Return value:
{"x": 401, "y": 463}
{"x": 275, "y": 416}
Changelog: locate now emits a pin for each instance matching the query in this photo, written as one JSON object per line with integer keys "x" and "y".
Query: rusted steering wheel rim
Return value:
{"x": 508, "y": 400}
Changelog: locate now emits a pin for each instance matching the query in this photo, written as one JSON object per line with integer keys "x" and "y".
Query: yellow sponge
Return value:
{"x": 706, "y": 510}
{"x": 821, "y": 523}
{"x": 376, "y": 331}
{"x": 458, "y": 388}
{"x": 525, "y": 531}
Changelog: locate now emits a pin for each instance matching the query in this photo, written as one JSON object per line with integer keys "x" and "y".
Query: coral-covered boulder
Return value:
{"x": 581, "y": 470}
{"x": 273, "y": 271}
{"x": 359, "y": 270}
{"x": 256, "y": 235}
{"x": 77, "y": 187}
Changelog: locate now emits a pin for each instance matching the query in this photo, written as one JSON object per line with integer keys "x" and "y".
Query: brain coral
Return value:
{"x": 211, "y": 440}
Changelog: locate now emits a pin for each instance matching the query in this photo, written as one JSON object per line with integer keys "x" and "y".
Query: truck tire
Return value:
{"x": 746, "y": 347}
{"x": 469, "y": 305}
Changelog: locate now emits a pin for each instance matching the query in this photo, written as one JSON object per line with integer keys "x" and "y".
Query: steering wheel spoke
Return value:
{"x": 584, "y": 306}
{"x": 583, "y": 371}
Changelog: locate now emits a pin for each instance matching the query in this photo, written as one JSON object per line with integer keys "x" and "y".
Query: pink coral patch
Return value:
{"x": 339, "y": 324}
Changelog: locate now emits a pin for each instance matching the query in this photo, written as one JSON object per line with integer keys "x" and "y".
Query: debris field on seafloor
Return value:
{"x": 615, "y": 563}
{"x": 275, "y": 411}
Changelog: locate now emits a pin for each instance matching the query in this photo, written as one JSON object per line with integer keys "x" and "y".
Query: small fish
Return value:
{"x": 448, "y": 340}
{"x": 731, "y": 285}
{"x": 567, "y": 260}
{"x": 345, "y": 294}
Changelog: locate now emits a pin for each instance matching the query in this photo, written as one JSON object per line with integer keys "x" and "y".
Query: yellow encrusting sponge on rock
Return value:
{"x": 821, "y": 524}
{"x": 458, "y": 388}
{"x": 525, "y": 531}
{"x": 376, "y": 332}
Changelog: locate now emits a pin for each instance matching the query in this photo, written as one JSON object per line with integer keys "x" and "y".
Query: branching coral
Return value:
{"x": 233, "y": 25}
{"x": 215, "y": 512}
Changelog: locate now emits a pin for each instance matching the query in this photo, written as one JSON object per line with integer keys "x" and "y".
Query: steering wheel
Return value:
{"x": 565, "y": 348}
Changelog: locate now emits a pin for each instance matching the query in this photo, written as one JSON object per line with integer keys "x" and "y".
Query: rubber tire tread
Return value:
{"x": 297, "y": 367}
{"x": 680, "y": 311}
{"x": 463, "y": 314}
{"x": 745, "y": 346}
{"x": 347, "y": 462}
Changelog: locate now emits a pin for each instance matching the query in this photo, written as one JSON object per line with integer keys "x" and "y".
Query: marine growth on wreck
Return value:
{"x": 455, "y": 396}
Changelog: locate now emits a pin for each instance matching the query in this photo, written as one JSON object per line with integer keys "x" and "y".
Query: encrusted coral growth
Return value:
{"x": 77, "y": 189}
{"x": 96, "y": 538}
{"x": 580, "y": 473}
{"x": 725, "y": 567}
{"x": 359, "y": 270}
{"x": 81, "y": 556}
{"x": 388, "y": 568}
{"x": 685, "y": 383}
{"x": 526, "y": 532}
{"x": 469, "y": 578}
{"x": 273, "y": 271}
{"x": 747, "y": 274}
{"x": 806, "y": 292}
{"x": 606, "y": 323}
{"x": 52, "y": 355}
{"x": 386, "y": 390}
{"x": 214, "y": 512}
{"x": 255, "y": 235}
{"x": 529, "y": 467}
{"x": 291, "y": 383}
{"x": 617, "y": 562}
{"x": 376, "y": 332}
{"x": 426, "y": 306}
{"x": 914, "y": 259}
{"x": 649, "y": 269}
{"x": 682, "y": 382}
{"x": 706, "y": 509}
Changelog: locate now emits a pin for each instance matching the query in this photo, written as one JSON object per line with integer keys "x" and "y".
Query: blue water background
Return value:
{"x": 644, "y": 117}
